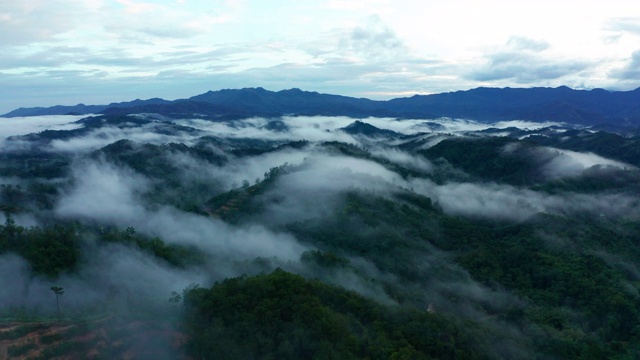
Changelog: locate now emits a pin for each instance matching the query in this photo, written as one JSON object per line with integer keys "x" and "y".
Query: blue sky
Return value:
{"x": 101, "y": 51}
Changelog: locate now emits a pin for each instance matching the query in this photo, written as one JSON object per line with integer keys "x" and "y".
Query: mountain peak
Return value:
{"x": 561, "y": 104}
{"x": 362, "y": 128}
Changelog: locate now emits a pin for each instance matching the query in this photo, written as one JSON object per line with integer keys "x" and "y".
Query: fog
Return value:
{"x": 572, "y": 163}
{"x": 106, "y": 194}
{"x": 510, "y": 203}
{"x": 102, "y": 191}
{"x": 299, "y": 128}
{"x": 250, "y": 169}
{"x": 149, "y": 133}
{"x": 139, "y": 279}
{"x": 416, "y": 163}
{"x": 34, "y": 124}
{"x": 316, "y": 186}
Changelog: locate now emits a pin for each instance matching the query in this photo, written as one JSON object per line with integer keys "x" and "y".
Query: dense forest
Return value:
{"x": 318, "y": 238}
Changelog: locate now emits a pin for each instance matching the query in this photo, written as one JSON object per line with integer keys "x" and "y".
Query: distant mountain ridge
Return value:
{"x": 562, "y": 104}
{"x": 81, "y": 109}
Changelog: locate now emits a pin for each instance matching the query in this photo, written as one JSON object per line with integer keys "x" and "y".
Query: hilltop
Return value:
{"x": 562, "y": 104}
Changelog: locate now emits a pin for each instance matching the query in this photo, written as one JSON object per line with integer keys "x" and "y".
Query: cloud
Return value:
{"x": 104, "y": 193}
{"x": 630, "y": 71}
{"x": 300, "y": 128}
{"x": 374, "y": 40}
{"x": 571, "y": 163}
{"x": 138, "y": 48}
{"x": 155, "y": 132}
{"x": 519, "y": 68}
{"x": 21, "y": 219}
{"x": 405, "y": 159}
{"x": 110, "y": 195}
{"x": 523, "y": 60}
{"x": 136, "y": 8}
{"x": 55, "y": 56}
{"x": 324, "y": 128}
{"x": 527, "y": 44}
{"x": 367, "y": 55}
{"x": 149, "y": 133}
{"x": 41, "y": 30}
{"x": 86, "y": 60}
{"x": 32, "y": 21}
{"x": 509, "y": 203}
{"x": 130, "y": 56}
{"x": 237, "y": 170}
{"x": 626, "y": 25}
{"x": 14, "y": 287}
{"x": 139, "y": 279}
{"x": 35, "y": 124}
{"x": 374, "y": 6}
{"x": 294, "y": 196}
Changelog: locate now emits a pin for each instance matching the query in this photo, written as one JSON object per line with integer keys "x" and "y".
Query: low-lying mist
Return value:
{"x": 244, "y": 192}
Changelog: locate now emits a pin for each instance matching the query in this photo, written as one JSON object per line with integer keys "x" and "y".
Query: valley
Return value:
{"x": 295, "y": 236}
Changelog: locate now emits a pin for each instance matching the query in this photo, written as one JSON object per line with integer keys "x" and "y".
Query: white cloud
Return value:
{"x": 168, "y": 48}
{"x": 105, "y": 193}
{"x": 525, "y": 61}
{"x": 104, "y": 136}
{"x": 34, "y": 124}
{"x": 571, "y": 163}
{"x": 111, "y": 195}
{"x": 510, "y": 203}
{"x": 410, "y": 161}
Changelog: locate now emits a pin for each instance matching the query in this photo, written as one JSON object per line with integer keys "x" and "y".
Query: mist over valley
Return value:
{"x": 296, "y": 236}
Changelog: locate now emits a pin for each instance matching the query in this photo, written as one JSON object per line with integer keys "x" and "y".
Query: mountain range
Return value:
{"x": 562, "y": 104}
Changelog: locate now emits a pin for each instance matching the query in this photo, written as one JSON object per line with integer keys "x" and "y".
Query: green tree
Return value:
{"x": 59, "y": 292}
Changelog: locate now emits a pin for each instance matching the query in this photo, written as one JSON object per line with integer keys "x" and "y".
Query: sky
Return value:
{"x": 101, "y": 51}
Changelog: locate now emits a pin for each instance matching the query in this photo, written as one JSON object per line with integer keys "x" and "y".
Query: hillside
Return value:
{"x": 317, "y": 237}
{"x": 560, "y": 104}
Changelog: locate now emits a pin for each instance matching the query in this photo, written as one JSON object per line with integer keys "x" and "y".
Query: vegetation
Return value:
{"x": 371, "y": 272}
{"x": 59, "y": 292}
{"x": 284, "y": 316}
{"x": 610, "y": 145}
{"x": 55, "y": 249}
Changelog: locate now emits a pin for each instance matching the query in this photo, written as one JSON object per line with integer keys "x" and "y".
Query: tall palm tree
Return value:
{"x": 59, "y": 292}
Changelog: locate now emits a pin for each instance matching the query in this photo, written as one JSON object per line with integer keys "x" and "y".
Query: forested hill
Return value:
{"x": 582, "y": 107}
{"x": 138, "y": 236}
